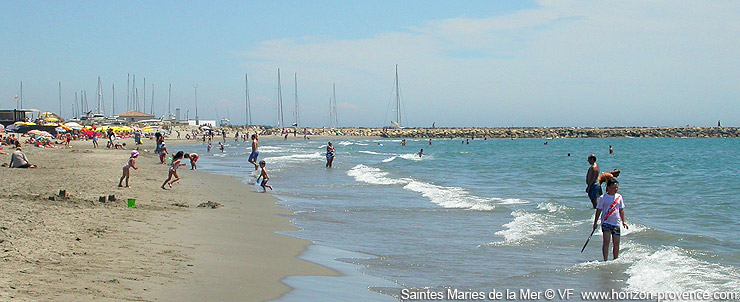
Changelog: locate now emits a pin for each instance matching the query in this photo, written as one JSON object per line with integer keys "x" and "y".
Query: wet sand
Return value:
{"x": 77, "y": 248}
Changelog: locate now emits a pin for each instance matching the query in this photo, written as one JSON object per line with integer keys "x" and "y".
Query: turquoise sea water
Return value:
{"x": 508, "y": 214}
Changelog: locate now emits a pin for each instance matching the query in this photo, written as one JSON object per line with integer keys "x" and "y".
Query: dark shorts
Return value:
{"x": 264, "y": 182}
{"x": 253, "y": 155}
{"x": 594, "y": 191}
{"x": 608, "y": 228}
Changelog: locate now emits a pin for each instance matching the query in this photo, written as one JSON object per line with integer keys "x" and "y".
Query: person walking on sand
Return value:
{"x": 330, "y": 154}
{"x": 193, "y": 157}
{"x": 609, "y": 204}
{"x": 126, "y": 168}
{"x": 95, "y": 140}
{"x": 253, "y": 156}
{"x": 264, "y": 176}
{"x": 593, "y": 189}
{"x": 173, "y": 169}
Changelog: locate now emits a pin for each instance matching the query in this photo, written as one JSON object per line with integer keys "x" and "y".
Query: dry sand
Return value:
{"x": 166, "y": 249}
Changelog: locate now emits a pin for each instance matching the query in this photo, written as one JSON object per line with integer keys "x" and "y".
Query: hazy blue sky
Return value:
{"x": 461, "y": 63}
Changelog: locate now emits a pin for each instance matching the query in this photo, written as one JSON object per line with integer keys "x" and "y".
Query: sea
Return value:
{"x": 487, "y": 215}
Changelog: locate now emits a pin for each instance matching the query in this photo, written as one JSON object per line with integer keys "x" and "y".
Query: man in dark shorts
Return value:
{"x": 253, "y": 156}
{"x": 593, "y": 188}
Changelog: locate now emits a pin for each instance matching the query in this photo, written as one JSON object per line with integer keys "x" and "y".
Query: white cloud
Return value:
{"x": 562, "y": 63}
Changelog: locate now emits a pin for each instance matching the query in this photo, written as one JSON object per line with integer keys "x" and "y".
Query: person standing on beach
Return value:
{"x": 264, "y": 176}
{"x": 592, "y": 186}
{"x": 330, "y": 154}
{"x": 162, "y": 153}
{"x": 126, "y": 168}
{"x": 173, "y": 169}
{"x": 95, "y": 140}
{"x": 253, "y": 156}
{"x": 608, "y": 206}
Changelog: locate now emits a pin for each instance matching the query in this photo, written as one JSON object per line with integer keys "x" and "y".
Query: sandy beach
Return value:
{"x": 77, "y": 248}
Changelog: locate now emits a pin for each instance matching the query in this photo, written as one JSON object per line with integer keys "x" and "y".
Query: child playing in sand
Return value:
{"x": 193, "y": 158}
{"x": 129, "y": 164}
{"x": 264, "y": 176}
{"x": 173, "y": 169}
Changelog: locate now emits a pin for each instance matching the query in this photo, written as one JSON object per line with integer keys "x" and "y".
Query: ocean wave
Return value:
{"x": 450, "y": 197}
{"x": 552, "y": 207}
{"x": 345, "y": 143}
{"x": 266, "y": 148}
{"x": 677, "y": 270}
{"x": 390, "y": 159}
{"x": 524, "y": 227}
{"x": 295, "y": 158}
{"x": 372, "y": 175}
{"x": 370, "y": 152}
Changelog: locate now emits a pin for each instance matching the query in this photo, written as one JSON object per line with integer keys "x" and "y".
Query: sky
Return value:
{"x": 550, "y": 63}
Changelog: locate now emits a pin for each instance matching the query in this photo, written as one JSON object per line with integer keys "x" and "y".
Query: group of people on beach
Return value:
{"x": 609, "y": 207}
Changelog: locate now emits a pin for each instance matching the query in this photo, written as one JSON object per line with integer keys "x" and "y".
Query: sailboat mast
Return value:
{"x": 22, "y": 96}
{"x": 76, "y": 108}
{"x": 169, "y": 101}
{"x": 297, "y": 116}
{"x": 197, "y": 119}
{"x": 334, "y": 105}
{"x": 113, "y": 103}
{"x": 280, "y": 103}
{"x": 60, "y": 99}
{"x": 144, "y": 109}
{"x": 128, "y": 92}
{"x": 248, "y": 115}
{"x": 151, "y": 108}
{"x": 398, "y": 99}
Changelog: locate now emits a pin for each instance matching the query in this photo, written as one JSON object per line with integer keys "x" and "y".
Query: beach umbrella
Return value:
{"x": 39, "y": 132}
{"x": 60, "y": 129}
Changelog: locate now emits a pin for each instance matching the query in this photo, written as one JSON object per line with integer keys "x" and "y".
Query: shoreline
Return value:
{"x": 495, "y": 132}
{"x": 78, "y": 248}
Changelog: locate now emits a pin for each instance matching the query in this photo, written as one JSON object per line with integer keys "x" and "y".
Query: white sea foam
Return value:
{"x": 525, "y": 227}
{"x": 345, "y": 143}
{"x": 372, "y": 175}
{"x": 415, "y": 157}
{"x": 370, "y": 152}
{"x": 552, "y": 207}
{"x": 295, "y": 158}
{"x": 677, "y": 270}
{"x": 266, "y": 148}
{"x": 390, "y": 159}
{"x": 509, "y": 200}
{"x": 450, "y": 197}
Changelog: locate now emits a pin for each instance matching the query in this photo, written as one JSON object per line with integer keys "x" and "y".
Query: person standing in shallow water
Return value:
{"x": 330, "y": 154}
{"x": 611, "y": 150}
{"x": 593, "y": 189}
{"x": 611, "y": 210}
{"x": 253, "y": 156}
